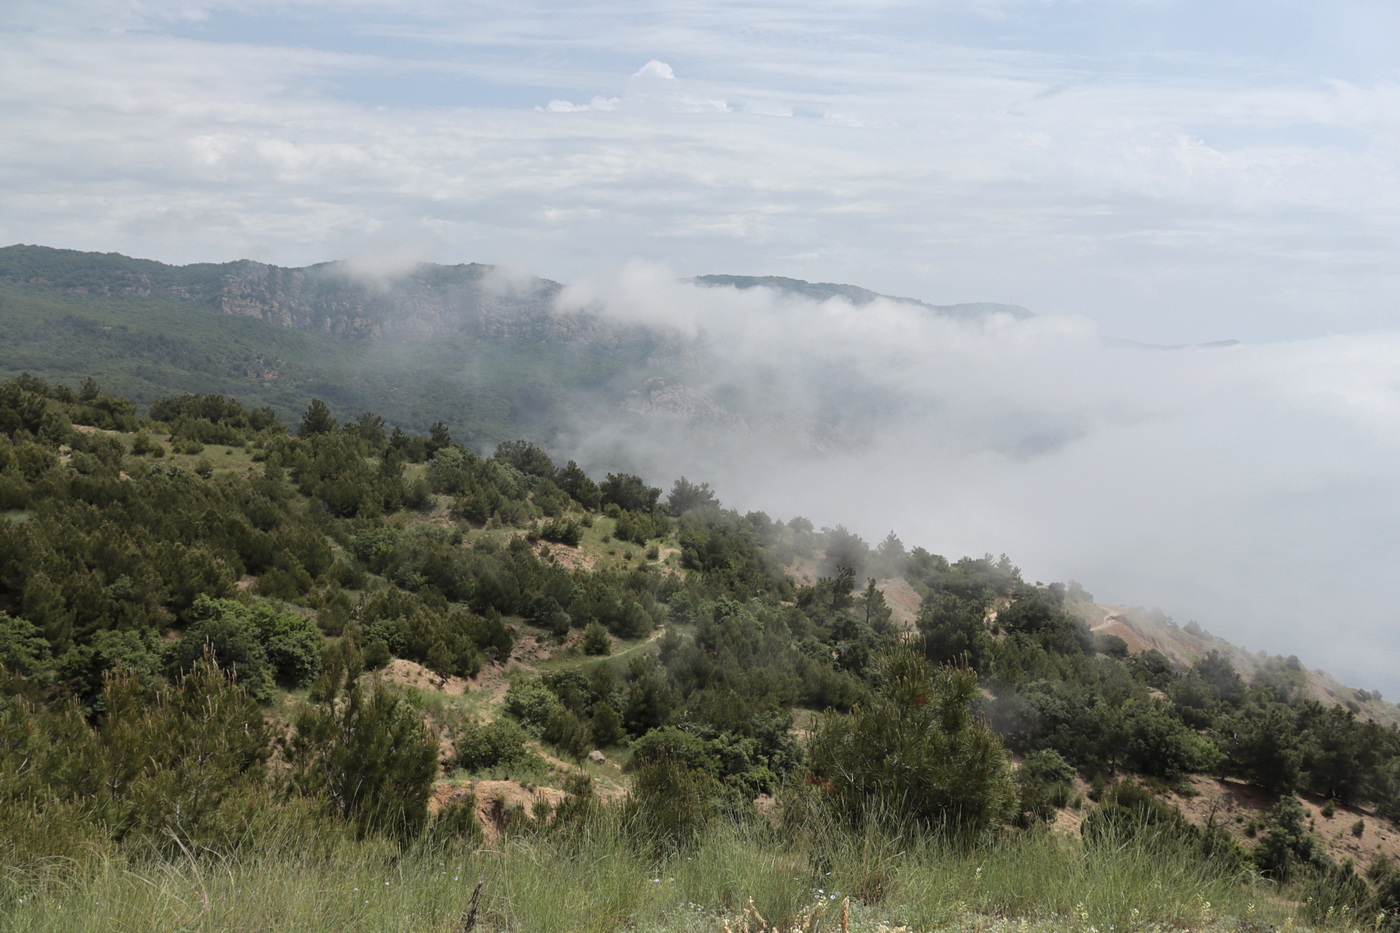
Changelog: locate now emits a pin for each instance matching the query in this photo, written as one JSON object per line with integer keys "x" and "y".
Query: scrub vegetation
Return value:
{"x": 202, "y": 610}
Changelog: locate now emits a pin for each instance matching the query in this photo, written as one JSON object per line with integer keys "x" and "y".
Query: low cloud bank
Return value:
{"x": 1254, "y": 489}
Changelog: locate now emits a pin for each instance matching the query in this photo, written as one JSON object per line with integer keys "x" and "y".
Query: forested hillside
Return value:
{"x": 208, "y": 618}
{"x": 432, "y": 344}
{"x": 494, "y": 354}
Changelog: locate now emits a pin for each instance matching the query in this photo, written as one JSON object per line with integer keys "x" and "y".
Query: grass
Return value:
{"x": 595, "y": 880}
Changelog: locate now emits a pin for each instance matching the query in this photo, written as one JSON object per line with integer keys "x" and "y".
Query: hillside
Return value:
{"x": 1152, "y": 630}
{"x": 493, "y": 354}
{"x": 432, "y": 344}
{"x": 390, "y": 640}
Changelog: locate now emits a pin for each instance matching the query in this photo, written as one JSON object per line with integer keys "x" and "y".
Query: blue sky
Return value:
{"x": 1155, "y": 170}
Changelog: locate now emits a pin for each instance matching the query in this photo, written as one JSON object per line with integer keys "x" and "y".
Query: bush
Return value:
{"x": 675, "y": 745}
{"x": 23, "y": 648}
{"x": 607, "y": 726}
{"x": 532, "y": 703}
{"x": 457, "y": 820}
{"x": 258, "y": 643}
{"x": 1131, "y": 810}
{"x": 143, "y": 444}
{"x": 1287, "y": 845}
{"x": 568, "y": 732}
{"x": 496, "y": 744}
{"x": 914, "y": 752}
{"x": 1044, "y": 782}
{"x": 596, "y": 641}
{"x": 564, "y": 531}
{"x": 370, "y": 758}
{"x": 671, "y": 804}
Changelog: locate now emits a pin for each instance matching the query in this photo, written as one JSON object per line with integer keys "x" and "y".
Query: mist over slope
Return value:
{"x": 1249, "y": 487}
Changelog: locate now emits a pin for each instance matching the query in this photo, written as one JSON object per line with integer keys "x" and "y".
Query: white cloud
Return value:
{"x": 597, "y": 103}
{"x": 1248, "y": 487}
{"x": 1201, "y": 199}
{"x": 655, "y": 69}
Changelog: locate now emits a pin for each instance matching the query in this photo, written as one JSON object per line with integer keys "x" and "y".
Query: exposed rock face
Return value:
{"x": 430, "y": 301}
{"x": 426, "y": 302}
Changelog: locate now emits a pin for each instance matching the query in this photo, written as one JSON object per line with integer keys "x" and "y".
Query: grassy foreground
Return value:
{"x": 594, "y": 879}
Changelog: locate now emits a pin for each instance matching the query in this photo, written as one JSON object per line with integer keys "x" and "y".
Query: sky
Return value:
{"x": 1159, "y": 171}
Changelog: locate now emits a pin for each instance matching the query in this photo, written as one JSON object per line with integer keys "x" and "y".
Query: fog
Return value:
{"x": 1252, "y": 488}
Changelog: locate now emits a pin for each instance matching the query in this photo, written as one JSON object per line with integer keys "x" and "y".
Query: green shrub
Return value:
{"x": 1287, "y": 846}
{"x": 257, "y": 642}
{"x": 532, "y": 703}
{"x": 671, "y": 804}
{"x": 144, "y": 445}
{"x": 496, "y": 744}
{"x": 914, "y": 751}
{"x": 607, "y": 726}
{"x": 564, "y": 531}
{"x": 369, "y": 757}
{"x": 595, "y": 640}
{"x": 23, "y": 648}
{"x": 568, "y": 732}
{"x": 1044, "y": 781}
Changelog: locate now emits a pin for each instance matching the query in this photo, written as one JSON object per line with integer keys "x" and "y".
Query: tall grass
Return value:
{"x": 594, "y": 878}
{"x": 1116, "y": 884}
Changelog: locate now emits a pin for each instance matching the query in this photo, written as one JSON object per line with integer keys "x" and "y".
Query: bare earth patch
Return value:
{"x": 494, "y": 799}
{"x": 526, "y": 654}
{"x": 570, "y": 558}
{"x": 903, "y": 601}
{"x": 1233, "y": 805}
{"x": 412, "y": 674}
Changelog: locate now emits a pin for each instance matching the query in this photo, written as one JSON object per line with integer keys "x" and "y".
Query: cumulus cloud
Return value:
{"x": 1245, "y": 487}
{"x": 655, "y": 69}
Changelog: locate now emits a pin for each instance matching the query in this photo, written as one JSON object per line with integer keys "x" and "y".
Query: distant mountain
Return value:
{"x": 824, "y": 291}
{"x": 462, "y": 344}
{"x": 425, "y": 302}
{"x": 488, "y": 354}
{"x": 449, "y": 343}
